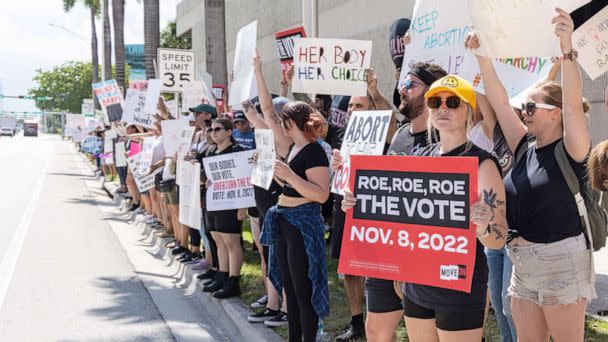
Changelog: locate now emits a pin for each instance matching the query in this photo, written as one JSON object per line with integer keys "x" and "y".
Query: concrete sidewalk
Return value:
{"x": 229, "y": 314}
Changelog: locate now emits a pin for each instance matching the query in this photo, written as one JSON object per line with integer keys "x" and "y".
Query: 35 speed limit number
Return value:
{"x": 175, "y": 67}
{"x": 402, "y": 238}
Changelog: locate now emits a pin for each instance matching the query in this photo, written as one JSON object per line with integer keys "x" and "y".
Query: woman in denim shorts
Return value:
{"x": 552, "y": 277}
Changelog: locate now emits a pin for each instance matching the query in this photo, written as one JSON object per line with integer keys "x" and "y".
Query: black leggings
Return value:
{"x": 212, "y": 244}
{"x": 122, "y": 174}
{"x": 195, "y": 237}
{"x": 293, "y": 265}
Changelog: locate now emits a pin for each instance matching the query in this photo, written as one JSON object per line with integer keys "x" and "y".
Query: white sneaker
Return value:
{"x": 138, "y": 210}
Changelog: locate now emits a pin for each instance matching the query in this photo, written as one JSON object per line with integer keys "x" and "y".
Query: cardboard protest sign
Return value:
{"x": 110, "y": 98}
{"x": 120, "y": 153}
{"x": 74, "y": 124}
{"x": 242, "y": 86}
{"x": 331, "y": 66}
{"x": 146, "y": 153}
{"x": 591, "y": 42}
{"x": 230, "y": 186}
{"x": 174, "y": 68}
{"x": 263, "y": 170}
{"x": 172, "y": 135}
{"x": 172, "y": 106}
{"x": 134, "y": 109}
{"x": 411, "y": 222}
{"x": 218, "y": 92}
{"x": 520, "y": 28}
{"x": 196, "y": 92}
{"x": 185, "y": 141}
{"x": 365, "y": 135}
{"x": 190, "y": 195}
{"x": 144, "y": 181}
{"x": 438, "y": 31}
{"x": 92, "y": 145}
{"x": 152, "y": 95}
{"x": 285, "y": 43}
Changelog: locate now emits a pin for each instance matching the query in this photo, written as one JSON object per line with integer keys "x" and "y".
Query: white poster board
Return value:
{"x": 521, "y": 28}
{"x": 438, "y": 31}
{"x": 152, "y": 95}
{"x": 143, "y": 181}
{"x": 120, "y": 153}
{"x": 74, "y": 124}
{"x": 331, "y": 66}
{"x": 134, "y": 109}
{"x": 230, "y": 186}
{"x": 241, "y": 86}
{"x": 591, "y": 42}
{"x": 263, "y": 170}
{"x": 146, "y": 153}
{"x": 172, "y": 135}
{"x": 196, "y": 92}
{"x": 190, "y": 195}
{"x": 174, "y": 68}
{"x": 365, "y": 134}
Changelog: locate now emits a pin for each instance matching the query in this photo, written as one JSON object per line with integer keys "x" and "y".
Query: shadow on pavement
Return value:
{"x": 89, "y": 201}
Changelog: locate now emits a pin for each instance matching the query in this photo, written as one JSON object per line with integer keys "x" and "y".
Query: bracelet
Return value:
{"x": 570, "y": 56}
{"x": 485, "y": 234}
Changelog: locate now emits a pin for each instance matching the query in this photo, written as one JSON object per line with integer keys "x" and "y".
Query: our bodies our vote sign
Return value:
{"x": 365, "y": 134}
{"x": 331, "y": 66}
{"x": 230, "y": 181}
{"x": 411, "y": 222}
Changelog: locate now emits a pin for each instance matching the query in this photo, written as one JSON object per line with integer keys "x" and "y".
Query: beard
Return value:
{"x": 412, "y": 108}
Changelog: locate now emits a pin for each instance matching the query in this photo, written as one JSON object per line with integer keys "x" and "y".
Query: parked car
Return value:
{"x": 7, "y": 131}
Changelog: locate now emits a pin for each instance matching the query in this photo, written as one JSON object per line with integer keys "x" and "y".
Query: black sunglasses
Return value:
{"x": 216, "y": 129}
{"x": 529, "y": 108}
{"x": 451, "y": 102}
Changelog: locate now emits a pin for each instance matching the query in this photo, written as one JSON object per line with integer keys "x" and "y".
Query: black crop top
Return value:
{"x": 436, "y": 298}
{"x": 311, "y": 155}
{"x": 540, "y": 206}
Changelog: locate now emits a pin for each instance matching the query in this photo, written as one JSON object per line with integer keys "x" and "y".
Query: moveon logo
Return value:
{"x": 452, "y": 272}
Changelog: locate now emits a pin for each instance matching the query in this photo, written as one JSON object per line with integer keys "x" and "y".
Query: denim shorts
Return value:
{"x": 552, "y": 273}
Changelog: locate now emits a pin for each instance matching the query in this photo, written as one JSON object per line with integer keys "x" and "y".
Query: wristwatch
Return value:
{"x": 571, "y": 56}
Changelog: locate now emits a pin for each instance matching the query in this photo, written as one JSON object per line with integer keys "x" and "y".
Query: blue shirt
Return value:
{"x": 246, "y": 140}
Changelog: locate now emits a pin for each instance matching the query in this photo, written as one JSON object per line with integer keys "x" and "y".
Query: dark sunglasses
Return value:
{"x": 529, "y": 108}
{"x": 216, "y": 129}
{"x": 451, "y": 102}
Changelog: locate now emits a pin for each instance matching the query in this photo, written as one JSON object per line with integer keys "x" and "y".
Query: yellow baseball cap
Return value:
{"x": 456, "y": 85}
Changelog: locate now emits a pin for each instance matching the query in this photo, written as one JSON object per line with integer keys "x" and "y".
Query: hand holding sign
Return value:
{"x": 283, "y": 171}
{"x": 336, "y": 160}
{"x": 349, "y": 201}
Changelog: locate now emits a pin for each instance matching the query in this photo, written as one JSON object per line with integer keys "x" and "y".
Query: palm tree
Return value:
{"x": 107, "y": 42}
{"x": 151, "y": 34}
{"x": 118, "y": 17}
{"x": 93, "y": 6}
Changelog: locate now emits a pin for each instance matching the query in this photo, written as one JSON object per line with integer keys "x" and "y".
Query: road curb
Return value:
{"x": 230, "y": 313}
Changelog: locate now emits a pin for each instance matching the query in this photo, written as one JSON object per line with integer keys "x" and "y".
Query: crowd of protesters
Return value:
{"x": 533, "y": 261}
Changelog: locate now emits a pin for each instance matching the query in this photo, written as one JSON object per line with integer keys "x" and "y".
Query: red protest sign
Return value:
{"x": 411, "y": 222}
{"x": 218, "y": 92}
{"x": 285, "y": 42}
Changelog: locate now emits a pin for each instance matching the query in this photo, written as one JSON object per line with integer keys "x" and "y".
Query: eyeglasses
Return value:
{"x": 529, "y": 108}
{"x": 409, "y": 84}
{"x": 216, "y": 129}
{"x": 452, "y": 102}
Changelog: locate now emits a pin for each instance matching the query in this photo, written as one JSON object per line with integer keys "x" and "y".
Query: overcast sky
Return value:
{"x": 33, "y": 37}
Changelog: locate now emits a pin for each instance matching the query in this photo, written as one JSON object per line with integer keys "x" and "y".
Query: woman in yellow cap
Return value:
{"x": 432, "y": 313}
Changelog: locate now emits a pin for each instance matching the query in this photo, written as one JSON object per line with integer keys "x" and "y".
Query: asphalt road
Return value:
{"x": 64, "y": 273}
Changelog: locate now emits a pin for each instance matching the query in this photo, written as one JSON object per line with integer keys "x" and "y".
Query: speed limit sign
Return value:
{"x": 175, "y": 67}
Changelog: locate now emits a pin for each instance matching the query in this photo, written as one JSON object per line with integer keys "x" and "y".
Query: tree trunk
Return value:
{"x": 151, "y": 34}
{"x": 94, "y": 54}
{"x": 118, "y": 16}
{"x": 107, "y": 42}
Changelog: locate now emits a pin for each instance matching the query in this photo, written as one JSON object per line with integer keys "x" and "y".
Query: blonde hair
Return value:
{"x": 432, "y": 133}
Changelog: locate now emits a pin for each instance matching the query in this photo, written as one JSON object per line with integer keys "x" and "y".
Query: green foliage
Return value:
{"x": 69, "y": 4}
{"x": 66, "y": 84}
{"x": 169, "y": 39}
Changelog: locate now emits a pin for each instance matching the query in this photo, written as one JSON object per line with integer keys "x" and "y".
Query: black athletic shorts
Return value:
{"x": 337, "y": 228}
{"x": 380, "y": 296}
{"x": 445, "y": 320}
{"x": 253, "y": 212}
{"x": 224, "y": 221}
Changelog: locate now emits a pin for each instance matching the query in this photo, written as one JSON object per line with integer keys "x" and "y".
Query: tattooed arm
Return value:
{"x": 489, "y": 214}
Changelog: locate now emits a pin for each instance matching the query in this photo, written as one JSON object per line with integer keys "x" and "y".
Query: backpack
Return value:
{"x": 592, "y": 205}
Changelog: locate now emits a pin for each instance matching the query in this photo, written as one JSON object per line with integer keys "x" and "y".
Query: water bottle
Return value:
{"x": 321, "y": 335}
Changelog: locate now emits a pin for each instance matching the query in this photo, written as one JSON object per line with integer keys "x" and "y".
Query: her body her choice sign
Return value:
{"x": 230, "y": 186}
{"x": 411, "y": 222}
{"x": 365, "y": 135}
{"x": 331, "y": 66}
